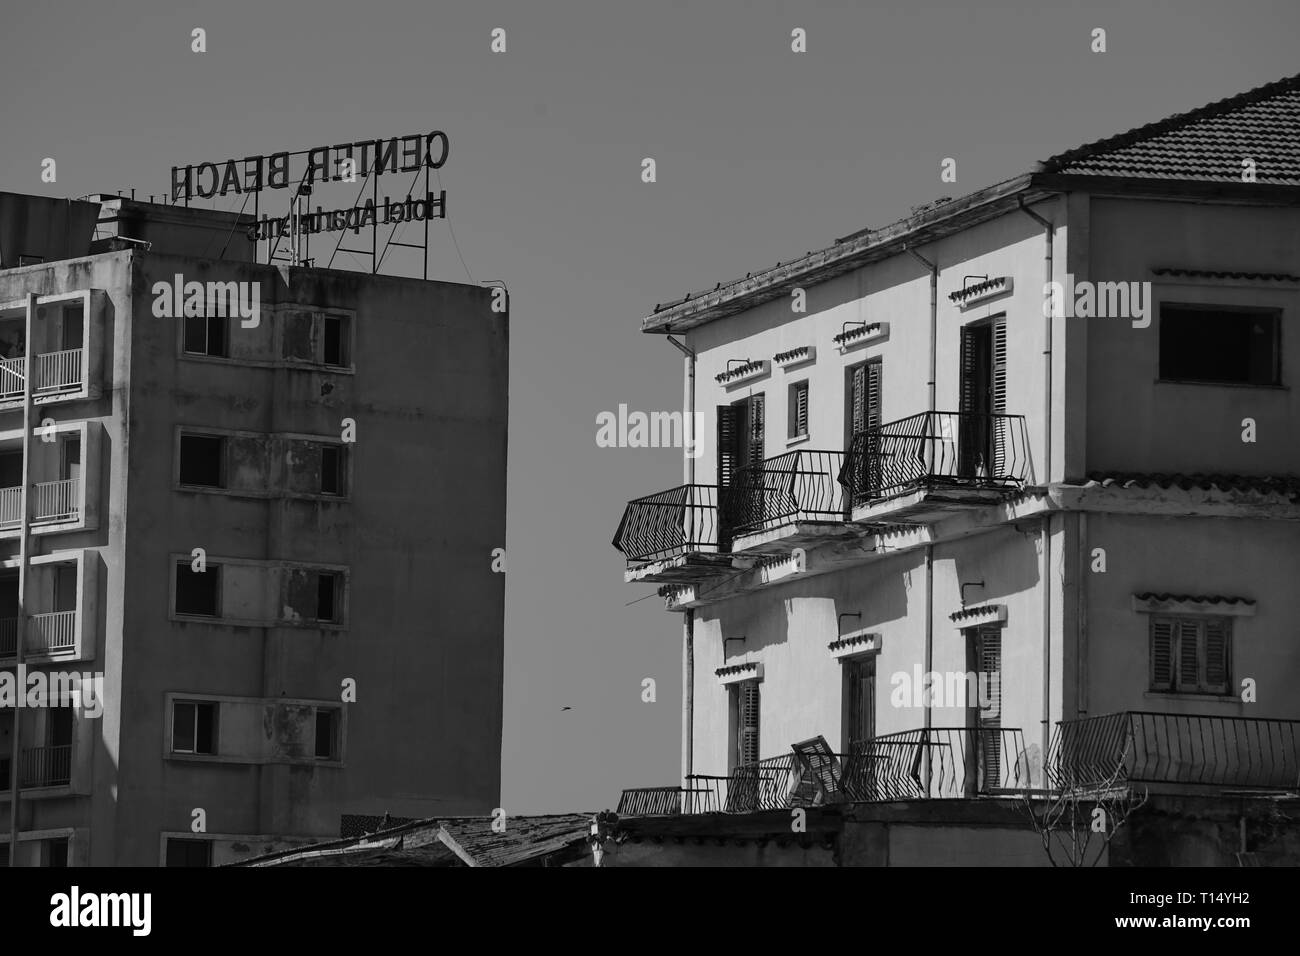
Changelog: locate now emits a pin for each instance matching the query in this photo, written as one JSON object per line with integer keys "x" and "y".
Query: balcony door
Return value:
{"x": 859, "y": 702}
{"x": 984, "y": 766}
{"x": 741, "y": 444}
{"x": 981, "y": 437}
{"x": 72, "y": 327}
{"x": 864, "y": 403}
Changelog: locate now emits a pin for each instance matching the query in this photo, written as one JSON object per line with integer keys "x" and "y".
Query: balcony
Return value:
{"x": 54, "y": 632}
{"x": 672, "y": 536}
{"x": 55, "y": 372}
{"x": 928, "y": 764}
{"x": 41, "y": 767}
{"x": 1174, "y": 752}
{"x": 927, "y": 467}
{"x": 52, "y": 502}
{"x": 792, "y": 500}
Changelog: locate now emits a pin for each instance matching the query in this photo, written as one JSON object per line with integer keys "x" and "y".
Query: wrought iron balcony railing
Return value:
{"x": 41, "y": 767}
{"x": 1198, "y": 750}
{"x": 801, "y": 485}
{"x": 925, "y": 764}
{"x": 937, "y": 449}
{"x": 670, "y": 523}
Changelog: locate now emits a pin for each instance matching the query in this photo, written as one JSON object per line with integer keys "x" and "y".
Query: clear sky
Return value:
{"x": 761, "y": 153}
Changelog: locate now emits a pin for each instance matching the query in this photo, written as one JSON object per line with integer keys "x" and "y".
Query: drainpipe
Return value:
{"x": 929, "y": 548}
{"x": 1049, "y": 234}
{"x": 24, "y": 543}
{"x": 688, "y": 469}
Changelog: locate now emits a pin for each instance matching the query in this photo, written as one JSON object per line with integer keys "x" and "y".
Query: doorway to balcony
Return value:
{"x": 983, "y": 396}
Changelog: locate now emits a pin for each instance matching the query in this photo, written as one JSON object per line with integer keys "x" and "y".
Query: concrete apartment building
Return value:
{"x": 927, "y": 458}
{"x": 335, "y": 649}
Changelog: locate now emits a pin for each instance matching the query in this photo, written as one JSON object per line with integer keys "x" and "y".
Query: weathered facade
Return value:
{"x": 1039, "y": 442}
{"x": 273, "y": 536}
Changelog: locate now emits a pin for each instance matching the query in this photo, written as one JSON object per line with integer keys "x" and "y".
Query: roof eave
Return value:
{"x": 848, "y": 254}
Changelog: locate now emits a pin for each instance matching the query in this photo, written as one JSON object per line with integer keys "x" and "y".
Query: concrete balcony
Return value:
{"x": 931, "y": 466}
{"x": 54, "y": 632}
{"x": 41, "y": 767}
{"x": 52, "y": 502}
{"x": 55, "y": 372}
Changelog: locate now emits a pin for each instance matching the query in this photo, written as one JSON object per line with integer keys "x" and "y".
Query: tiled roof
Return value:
{"x": 1227, "y": 274}
{"x": 1193, "y": 598}
{"x": 1288, "y": 485}
{"x": 1206, "y": 144}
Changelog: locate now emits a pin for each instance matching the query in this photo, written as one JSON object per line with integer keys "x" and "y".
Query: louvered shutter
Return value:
{"x": 989, "y": 640}
{"x": 998, "y": 400}
{"x": 857, "y": 400}
{"x": 728, "y": 444}
{"x": 967, "y": 398}
{"x": 756, "y": 430}
{"x": 873, "y": 394}
{"x": 1187, "y": 644}
{"x": 1162, "y": 653}
{"x": 747, "y": 744}
{"x": 799, "y": 425}
{"x": 1218, "y": 637}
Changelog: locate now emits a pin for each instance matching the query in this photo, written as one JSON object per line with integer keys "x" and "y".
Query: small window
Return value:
{"x": 331, "y": 469}
{"x": 799, "y": 410}
{"x": 203, "y": 460}
{"x": 194, "y": 727}
{"x": 329, "y": 594}
{"x": 207, "y": 335}
{"x": 182, "y": 852}
{"x": 1219, "y": 345}
{"x": 198, "y": 592}
{"x": 334, "y": 344}
{"x": 745, "y": 716}
{"x": 327, "y": 727}
{"x": 1191, "y": 655}
{"x": 56, "y": 852}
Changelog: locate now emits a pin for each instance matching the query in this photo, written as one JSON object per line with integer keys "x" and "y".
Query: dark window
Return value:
{"x": 331, "y": 470}
{"x": 203, "y": 461}
{"x": 189, "y": 852}
{"x": 1191, "y": 655}
{"x": 1219, "y": 345}
{"x": 73, "y": 329}
{"x": 327, "y": 734}
{"x": 194, "y": 727}
{"x": 56, "y": 852}
{"x": 745, "y": 712}
{"x": 198, "y": 592}
{"x": 206, "y": 335}
{"x": 859, "y": 674}
{"x": 329, "y": 588}
{"x": 333, "y": 341}
{"x": 798, "y": 410}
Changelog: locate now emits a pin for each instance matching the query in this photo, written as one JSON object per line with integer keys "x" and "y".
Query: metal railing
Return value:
{"x": 650, "y": 801}
{"x": 56, "y": 500}
{"x": 58, "y": 371}
{"x": 1238, "y": 753}
{"x": 11, "y": 506}
{"x": 55, "y": 372}
{"x": 938, "y": 763}
{"x": 681, "y": 520}
{"x": 801, "y": 485}
{"x": 47, "y": 766}
{"x": 47, "y": 633}
{"x": 952, "y": 449}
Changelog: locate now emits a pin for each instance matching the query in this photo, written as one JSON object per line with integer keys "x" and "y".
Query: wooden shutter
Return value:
{"x": 728, "y": 444}
{"x": 1189, "y": 662}
{"x": 858, "y": 400}
{"x": 1218, "y": 639}
{"x": 967, "y": 398}
{"x": 747, "y": 713}
{"x": 799, "y": 410}
{"x": 998, "y": 400}
{"x": 756, "y": 434}
{"x": 990, "y": 663}
{"x": 873, "y": 395}
{"x": 1162, "y": 653}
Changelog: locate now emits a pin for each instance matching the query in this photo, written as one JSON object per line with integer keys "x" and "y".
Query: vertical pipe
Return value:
{"x": 1049, "y": 234}
{"x": 24, "y": 541}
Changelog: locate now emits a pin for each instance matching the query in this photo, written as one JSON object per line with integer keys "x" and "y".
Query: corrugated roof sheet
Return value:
{"x": 1206, "y": 144}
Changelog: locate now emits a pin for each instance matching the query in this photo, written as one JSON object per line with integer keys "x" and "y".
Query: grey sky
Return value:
{"x": 762, "y": 154}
